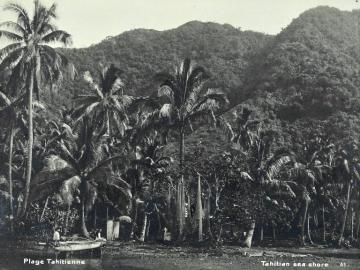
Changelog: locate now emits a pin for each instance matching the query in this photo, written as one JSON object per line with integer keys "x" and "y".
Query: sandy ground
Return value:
{"x": 132, "y": 256}
{"x": 161, "y": 257}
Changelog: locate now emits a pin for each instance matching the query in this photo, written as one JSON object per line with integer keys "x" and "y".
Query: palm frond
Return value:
{"x": 11, "y": 59}
{"x": 275, "y": 167}
{"x": 46, "y": 182}
{"x": 10, "y": 35}
{"x": 58, "y": 36}
{"x": 88, "y": 111}
{"x": 5, "y": 99}
{"x": 14, "y": 26}
{"x": 88, "y": 78}
{"x": 246, "y": 176}
{"x": 23, "y": 17}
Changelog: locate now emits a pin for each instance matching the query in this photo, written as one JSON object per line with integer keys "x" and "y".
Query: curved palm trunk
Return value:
{"x": 10, "y": 176}
{"x": 84, "y": 230}
{"x": 30, "y": 144}
{"x": 250, "y": 234}
{"x": 309, "y": 230}
{"x": 341, "y": 238}
{"x": 143, "y": 231}
{"x": 304, "y": 222}
{"x": 68, "y": 212}
{"x": 44, "y": 209}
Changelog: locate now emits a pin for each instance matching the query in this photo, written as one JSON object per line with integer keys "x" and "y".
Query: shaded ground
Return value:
{"x": 130, "y": 256}
{"x": 162, "y": 257}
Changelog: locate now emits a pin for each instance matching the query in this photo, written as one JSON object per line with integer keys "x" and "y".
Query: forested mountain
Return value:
{"x": 283, "y": 148}
{"x": 305, "y": 76}
{"x": 222, "y": 49}
{"x": 312, "y": 66}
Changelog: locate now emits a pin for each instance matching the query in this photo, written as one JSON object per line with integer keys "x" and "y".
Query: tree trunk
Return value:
{"x": 94, "y": 225}
{"x": 261, "y": 233}
{"x": 309, "y": 230}
{"x": 341, "y": 238}
{"x": 67, "y": 220}
{"x": 324, "y": 225}
{"x": 357, "y": 221}
{"x": 304, "y": 222}
{"x": 181, "y": 195}
{"x": 84, "y": 230}
{"x": 143, "y": 231}
{"x": 30, "y": 144}
{"x": 169, "y": 213}
{"x": 182, "y": 151}
{"x": 273, "y": 231}
{"x": 207, "y": 213}
{"x": 108, "y": 131}
{"x": 199, "y": 211}
{"x": 352, "y": 223}
{"x": 217, "y": 194}
{"x": 180, "y": 209}
{"x": 189, "y": 216}
{"x": 43, "y": 211}
{"x": 11, "y": 143}
{"x": 249, "y": 235}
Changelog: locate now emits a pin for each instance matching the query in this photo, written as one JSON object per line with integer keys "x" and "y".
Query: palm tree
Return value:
{"x": 312, "y": 172}
{"x": 149, "y": 165}
{"x": 264, "y": 168}
{"x": 107, "y": 104}
{"x": 83, "y": 155}
{"x": 347, "y": 169}
{"x": 31, "y": 60}
{"x": 187, "y": 99}
{"x": 11, "y": 118}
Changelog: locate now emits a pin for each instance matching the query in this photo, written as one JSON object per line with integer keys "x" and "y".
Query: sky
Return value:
{"x": 90, "y": 21}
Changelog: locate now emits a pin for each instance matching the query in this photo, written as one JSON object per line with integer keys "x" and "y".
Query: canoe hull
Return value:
{"x": 78, "y": 246}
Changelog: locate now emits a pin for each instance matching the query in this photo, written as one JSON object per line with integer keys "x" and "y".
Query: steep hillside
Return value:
{"x": 312, "y": 67}
{"x": 222, "y": 49}
{"x": 307, "y": 78}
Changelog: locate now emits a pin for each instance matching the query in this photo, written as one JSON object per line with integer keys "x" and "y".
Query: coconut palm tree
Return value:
{"x": 31, "y": 61}
{"x": 83, "y": 155}
{"x": 312, "y": 172}
{"x": 107, "y": 103}
{"x": 10, "y": 117}
{"x": 185, "y": 98}
{"x": 149, "y": 164}
{"x": 347, "y": 170}
{"x": 264, "y": 168}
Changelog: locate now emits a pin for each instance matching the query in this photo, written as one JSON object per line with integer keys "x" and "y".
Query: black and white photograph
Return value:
{"x": 179, "y": 134}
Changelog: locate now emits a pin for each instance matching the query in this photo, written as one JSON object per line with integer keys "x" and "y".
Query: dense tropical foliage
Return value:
{"x": 166, "y": 153}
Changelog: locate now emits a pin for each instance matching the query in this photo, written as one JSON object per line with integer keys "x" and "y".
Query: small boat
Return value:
{"x": 69, "y": 246}
{"x": 76, "y": 247}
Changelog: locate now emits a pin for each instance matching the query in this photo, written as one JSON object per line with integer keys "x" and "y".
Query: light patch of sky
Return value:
{"x": 90, "y": 21}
